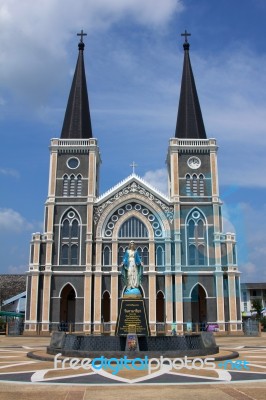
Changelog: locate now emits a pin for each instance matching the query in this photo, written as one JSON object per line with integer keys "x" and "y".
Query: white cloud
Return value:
{"x": 249, "y": 223}
{"x": 32, "y": 31}
{"x": 9, "y": 172}
{"x": 228, "y": 226}
{"x": 158, "y": 179}
{"x": 12, "y": 221}
{"x": 252, "y": 273}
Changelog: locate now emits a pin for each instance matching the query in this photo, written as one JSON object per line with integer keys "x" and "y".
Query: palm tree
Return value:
{"x": 257, "y": 306}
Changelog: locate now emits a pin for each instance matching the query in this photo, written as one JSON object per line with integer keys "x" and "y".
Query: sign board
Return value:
{"x": 132, "y": 313}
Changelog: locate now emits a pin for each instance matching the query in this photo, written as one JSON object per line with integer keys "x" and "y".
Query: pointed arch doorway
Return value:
{"x": 106, "y": 307}
{"x": 198, "y": 305}
{"x": 160, "y": 307}
{"x": 68, "y": 304}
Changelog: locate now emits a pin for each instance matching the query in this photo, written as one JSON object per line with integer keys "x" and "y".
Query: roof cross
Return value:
{"x": 81, "y": 34}
{"x": 133, "y": 165}
{"x": 186, "y": 34}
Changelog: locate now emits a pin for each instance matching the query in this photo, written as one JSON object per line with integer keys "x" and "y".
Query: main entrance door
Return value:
{"x": 68, "y": 304}
{"x": 198, "y": 305}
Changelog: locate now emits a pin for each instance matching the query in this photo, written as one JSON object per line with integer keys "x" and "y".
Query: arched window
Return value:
{"x": 145, "y": 256}
{"x": 65, "y": 229}
{"x": 72, "y": 186}
{"x": 133, "y": 228}
{"x": 201, "y": 185}
{"x": 159, "y": 256}
{"x": 188, "y": 185}
{"x": 200, "y": 229}
{"x": 120, "y": 255}
{"x": 65, "y": 185}
{"x": 79, "y": 185}
{"x": 70, "y": 239}
{"x": 74, "y": 229}
{"x": 107, "y": 256}
{"x": 195, "y": 185}
{"x": 191, "y": 229}
{"x": 196, "y": 238}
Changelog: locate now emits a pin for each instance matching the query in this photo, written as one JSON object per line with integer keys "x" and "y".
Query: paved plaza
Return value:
{"x": 22, "y": 377}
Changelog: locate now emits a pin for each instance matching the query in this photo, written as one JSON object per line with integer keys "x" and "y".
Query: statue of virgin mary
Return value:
{"x": 132, "y": 269}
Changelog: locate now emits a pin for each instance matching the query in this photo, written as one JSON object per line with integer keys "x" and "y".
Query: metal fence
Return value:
{"x": 251, "y": 327}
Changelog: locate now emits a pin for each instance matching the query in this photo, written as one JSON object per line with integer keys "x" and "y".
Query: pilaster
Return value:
{"x": 220, "y": 300}
{"x": 232, "y": 301}
{"x": 87, "y": 302}
{"x": 179, "y": 302}
{"x": 97, "y": 317}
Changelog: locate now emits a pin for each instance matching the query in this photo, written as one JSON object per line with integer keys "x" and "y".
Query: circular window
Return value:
{"x": 137, "y": 207}
{"x": 108, "y": 232}
{"x": 128, "y": 207}
{"x": 121, "y": 211}
{"x": 195, "y": 214}
{"x": 145, "y": 211}
{"x": 151, "y": 217}
{"x": 155, "y": 225}
{"x": 71, "y": 214}
{"x": 114, "y": 218}
{"x": 111, "y": 225}
{"x": 158, "y": 232}
{"x": 73, "y": 163}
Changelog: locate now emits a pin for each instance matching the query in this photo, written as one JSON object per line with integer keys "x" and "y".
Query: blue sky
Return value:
{"x": 134, "y": 60}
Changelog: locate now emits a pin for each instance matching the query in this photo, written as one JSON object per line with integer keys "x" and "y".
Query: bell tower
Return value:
{"x": 64, "y": 250}
{"x": 201, "y": 247}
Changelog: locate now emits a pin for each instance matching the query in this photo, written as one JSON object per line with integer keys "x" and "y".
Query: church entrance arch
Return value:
{"x": 198, "y": 305}
{"x": 68, "y": 304}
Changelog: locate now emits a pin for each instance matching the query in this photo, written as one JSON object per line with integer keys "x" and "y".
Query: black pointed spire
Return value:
{"x": 189, "y": 123}
{"x": 77, "y": 121}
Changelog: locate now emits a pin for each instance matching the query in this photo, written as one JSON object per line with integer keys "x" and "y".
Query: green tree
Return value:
{"x": 257, "y": 306}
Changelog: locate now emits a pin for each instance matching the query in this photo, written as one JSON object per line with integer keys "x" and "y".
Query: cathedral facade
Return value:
{"x": 190, "y": 276}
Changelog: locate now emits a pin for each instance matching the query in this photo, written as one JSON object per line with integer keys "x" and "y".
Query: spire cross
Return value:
{"x": 133, "y": 165}
{"x": 186, "y": 34}
{"x": 81, "y": 34}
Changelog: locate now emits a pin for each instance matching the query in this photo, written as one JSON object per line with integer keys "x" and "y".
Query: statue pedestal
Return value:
{"x": 132, "y": 317}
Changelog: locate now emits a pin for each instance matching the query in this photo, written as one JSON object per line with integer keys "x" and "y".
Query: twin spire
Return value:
{"x": 189, "y": 124}
{"x": 77, "y": 121}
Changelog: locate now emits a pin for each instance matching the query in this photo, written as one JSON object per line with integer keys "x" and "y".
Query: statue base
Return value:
{"x": 132, "y": 317}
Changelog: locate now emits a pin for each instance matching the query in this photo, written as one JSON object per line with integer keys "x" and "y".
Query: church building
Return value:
{"x": 190, "y": 277}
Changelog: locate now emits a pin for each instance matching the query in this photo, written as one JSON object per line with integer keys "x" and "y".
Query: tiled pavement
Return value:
{"x": 41, "y": 381}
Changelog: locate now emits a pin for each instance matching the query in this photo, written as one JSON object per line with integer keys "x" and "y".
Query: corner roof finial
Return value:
{"x": 81, "y": 43}
{"x": 186, "y": 44}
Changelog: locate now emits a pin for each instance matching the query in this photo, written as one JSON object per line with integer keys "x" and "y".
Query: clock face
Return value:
{"x": 194, "y": 162}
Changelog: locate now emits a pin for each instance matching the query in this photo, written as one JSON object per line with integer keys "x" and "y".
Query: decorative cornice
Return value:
{"x": 133, "y": 187}
{"x": 128, "y": 179}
